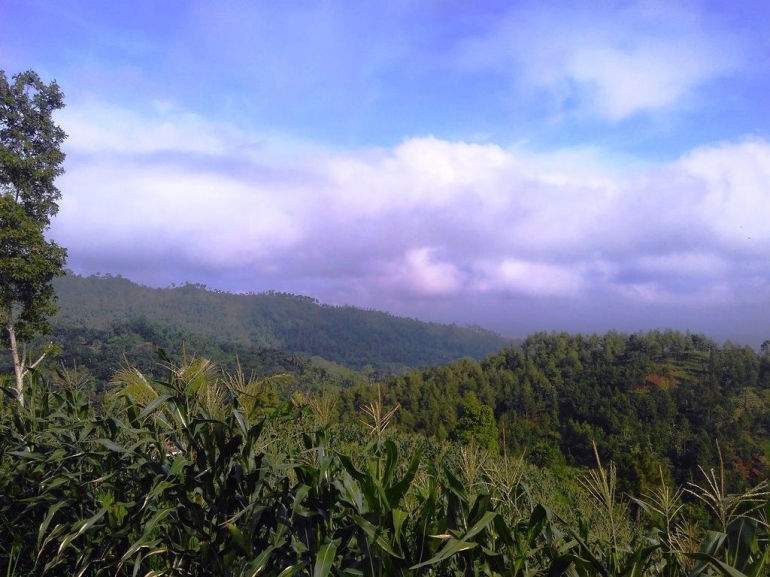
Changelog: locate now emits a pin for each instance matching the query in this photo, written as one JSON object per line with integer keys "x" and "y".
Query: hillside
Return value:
{"x": 648, "y": 401}
{"x": 349, "y": 336}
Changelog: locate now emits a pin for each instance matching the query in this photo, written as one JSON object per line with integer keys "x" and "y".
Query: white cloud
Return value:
{"x": 610, "y": 60}
{"x": 209, "y": 218}
{"x": 684, "y": 264}
{"x": 530, "y": 278}
{"x": 425, "y": 218}
{"x": 96, "y": 128}
{"x": 421, "y": 172}
{"x": 736, "y": 184}
{"x": 650, "y": 75}
{"x": 422, "y": 273}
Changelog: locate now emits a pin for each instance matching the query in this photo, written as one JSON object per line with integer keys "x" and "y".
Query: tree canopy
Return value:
{"x": 651, "y": 401}
{"x": 30, "y": 160}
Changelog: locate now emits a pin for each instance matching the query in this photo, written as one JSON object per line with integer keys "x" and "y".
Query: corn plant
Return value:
{"x": 189, "y": 474}
{"x": 741, "y": 542}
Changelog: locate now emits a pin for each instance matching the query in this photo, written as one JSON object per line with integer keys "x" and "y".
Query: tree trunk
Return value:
{"x": 18, "y": 365}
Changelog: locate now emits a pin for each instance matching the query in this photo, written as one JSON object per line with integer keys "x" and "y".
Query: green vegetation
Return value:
{"x": 101, "y": 352}
{"x": 570, "y": 454}
{"x": 30, "y": 160}
{"x": 199, "y": 473}
{"x": 585, "y": 454}
{"x": 348, "y": 336}
{"x": 658, "y": 400}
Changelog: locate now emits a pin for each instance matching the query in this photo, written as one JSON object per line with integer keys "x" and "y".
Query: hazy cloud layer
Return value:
{"x": 427, "y": 218}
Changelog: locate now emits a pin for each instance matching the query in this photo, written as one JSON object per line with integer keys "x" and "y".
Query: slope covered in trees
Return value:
{"x": 97, "y": 354}
{"x": 346, "y": 335}
{"x": 657, "y": 400}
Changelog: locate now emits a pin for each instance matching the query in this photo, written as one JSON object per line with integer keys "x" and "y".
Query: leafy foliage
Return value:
{"x": 646, "y": 401}
{"x": 30, "y": 160}
{"x": 30, "y": 144}
{"x": 28, "y": 263}
{"x": 183, "y": 482}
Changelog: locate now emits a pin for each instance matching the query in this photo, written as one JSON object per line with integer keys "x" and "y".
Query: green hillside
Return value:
{"x": 346, "y": 335}
{"x": 649, "y": 401}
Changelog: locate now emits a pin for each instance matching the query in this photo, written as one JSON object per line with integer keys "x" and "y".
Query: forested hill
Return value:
{"x": 346, "y": 335}
{"x": 649, "y": 400}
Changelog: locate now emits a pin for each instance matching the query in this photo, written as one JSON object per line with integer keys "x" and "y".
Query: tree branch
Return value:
{"x": 36, "y": 363}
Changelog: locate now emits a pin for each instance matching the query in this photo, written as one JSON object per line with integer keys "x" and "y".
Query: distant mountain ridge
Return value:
{"x": 347, "y": 335}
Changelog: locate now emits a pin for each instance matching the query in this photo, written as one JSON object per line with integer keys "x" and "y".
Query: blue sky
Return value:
{"x": 517, "y": 165}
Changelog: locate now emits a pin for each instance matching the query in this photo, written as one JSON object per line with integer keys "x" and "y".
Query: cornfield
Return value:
{"x": 193, "y": 475}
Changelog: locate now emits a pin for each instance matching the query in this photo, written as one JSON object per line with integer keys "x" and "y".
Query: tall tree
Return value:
{"x": 30, "y": 160}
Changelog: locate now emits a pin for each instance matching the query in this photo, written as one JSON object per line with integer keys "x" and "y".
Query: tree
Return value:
{"x": 477, "y": 425}
{"x": 30, "y": 160}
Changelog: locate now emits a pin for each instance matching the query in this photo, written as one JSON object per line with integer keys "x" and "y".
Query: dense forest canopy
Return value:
{"x": 653, "y": 400}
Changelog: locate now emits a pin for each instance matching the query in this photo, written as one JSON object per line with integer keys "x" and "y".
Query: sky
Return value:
{"x": 521, "y": 166}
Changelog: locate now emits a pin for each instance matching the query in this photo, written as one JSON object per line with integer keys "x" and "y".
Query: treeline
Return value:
{"x": 649, "y": 401}
{"x": 348, "y": 336}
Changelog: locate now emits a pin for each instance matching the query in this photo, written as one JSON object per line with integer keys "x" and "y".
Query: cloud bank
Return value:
{"x": 522, "y": 166}
{"x": 168, "y": 197}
